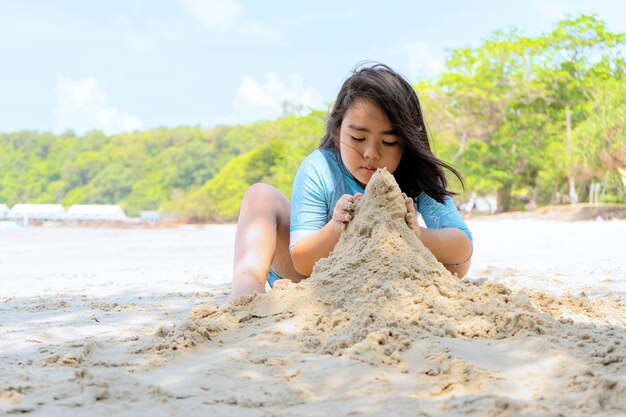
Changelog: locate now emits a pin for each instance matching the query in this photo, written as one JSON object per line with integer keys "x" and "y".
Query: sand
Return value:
{"x": 380, "y": 328}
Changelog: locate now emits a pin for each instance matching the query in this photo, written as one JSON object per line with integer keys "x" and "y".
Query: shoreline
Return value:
{"x": 578, "y": 212}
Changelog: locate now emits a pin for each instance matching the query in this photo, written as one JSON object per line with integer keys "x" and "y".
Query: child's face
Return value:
{"x": 368, "y": 141}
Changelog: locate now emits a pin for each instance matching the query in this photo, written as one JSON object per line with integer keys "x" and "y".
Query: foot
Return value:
{"x": 281, "y": 283}
{"x": 235, "y": 294}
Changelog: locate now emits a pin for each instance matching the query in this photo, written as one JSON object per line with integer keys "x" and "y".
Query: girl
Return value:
{"x": 376, "y": 122}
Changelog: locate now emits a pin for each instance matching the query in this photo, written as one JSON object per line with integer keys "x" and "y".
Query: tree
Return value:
{"x": 578, "y": 55}
{"x": 486, "y": 89}
{"x": 507, "y": 100}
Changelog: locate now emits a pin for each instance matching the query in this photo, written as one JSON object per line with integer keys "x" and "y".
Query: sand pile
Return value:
{"x": 382, "y": 299}
{"x": 383, "y": 288}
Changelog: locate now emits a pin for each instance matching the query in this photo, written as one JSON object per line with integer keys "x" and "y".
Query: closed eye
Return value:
{"x": 357, "y": 139}
{"x": 390, "y": 143}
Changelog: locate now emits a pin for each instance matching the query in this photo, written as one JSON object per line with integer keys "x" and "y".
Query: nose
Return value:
{"x": 372, "y": 152}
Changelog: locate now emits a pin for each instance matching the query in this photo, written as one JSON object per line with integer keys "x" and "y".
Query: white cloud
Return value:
{"x": 257, "y": 31}
{"x": 422, "y": 62}
{"x": 83, "y": 105}
{"x": 227, "y": 16}
{"x": 214, "y": 14}
{"x": 136, "y": 40}
{"x": 272, "y": 98}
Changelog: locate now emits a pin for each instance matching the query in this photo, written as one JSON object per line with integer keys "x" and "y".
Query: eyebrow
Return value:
{"x": 364, "y": 129}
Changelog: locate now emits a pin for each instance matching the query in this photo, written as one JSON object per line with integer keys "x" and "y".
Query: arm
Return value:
{"x": 314, "y": 247}
{"x": 448, "y": 239}
{"x": 450, "y": 246}
{"x": 317, "y": 245}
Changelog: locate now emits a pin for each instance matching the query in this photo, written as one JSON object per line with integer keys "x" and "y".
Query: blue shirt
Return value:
{"x": 323, "y": 178}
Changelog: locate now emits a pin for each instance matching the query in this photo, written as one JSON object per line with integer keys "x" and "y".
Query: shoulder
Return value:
{"x": 321, "y": 158}
{"x": 320, "y": 165}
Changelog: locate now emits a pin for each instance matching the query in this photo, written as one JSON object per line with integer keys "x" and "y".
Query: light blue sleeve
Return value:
{"x": 309, "y": 205}
{"x": 440, "y": 216}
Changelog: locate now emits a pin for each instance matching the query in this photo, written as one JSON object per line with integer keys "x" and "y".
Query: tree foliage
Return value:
{"x": 194, "y": 172}
{"x": 505, "y": 105}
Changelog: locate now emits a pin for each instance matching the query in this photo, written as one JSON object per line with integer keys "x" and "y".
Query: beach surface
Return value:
{"x": 124, "y": 322}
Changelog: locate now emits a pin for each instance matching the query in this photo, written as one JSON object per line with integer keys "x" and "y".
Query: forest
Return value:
{"x": 538, "y": 120}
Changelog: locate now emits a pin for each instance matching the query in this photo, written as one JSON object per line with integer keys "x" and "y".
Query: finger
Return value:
{"x": 343, "y": 200}
{"x": 345, "y": 217}
{"x": 342, "y": 217}
{"x": 409, "y": 204}
{"x": 411, "y": 219}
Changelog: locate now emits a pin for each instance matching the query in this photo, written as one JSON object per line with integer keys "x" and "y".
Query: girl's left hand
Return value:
{"x": 411, "y": 215}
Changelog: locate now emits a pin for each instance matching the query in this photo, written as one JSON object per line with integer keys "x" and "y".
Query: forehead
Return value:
{"x": 366, "y": 112}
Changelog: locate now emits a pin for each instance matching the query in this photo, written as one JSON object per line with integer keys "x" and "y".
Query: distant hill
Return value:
{"x": 197, "y": 173}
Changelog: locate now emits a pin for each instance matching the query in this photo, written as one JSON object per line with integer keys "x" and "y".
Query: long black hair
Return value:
{"x": 419, "y": 170}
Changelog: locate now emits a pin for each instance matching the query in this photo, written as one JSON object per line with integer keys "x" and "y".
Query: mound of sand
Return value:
{"x": 383, "y": 300}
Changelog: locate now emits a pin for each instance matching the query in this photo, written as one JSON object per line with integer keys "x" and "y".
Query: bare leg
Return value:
{"x": 262, "y": 240}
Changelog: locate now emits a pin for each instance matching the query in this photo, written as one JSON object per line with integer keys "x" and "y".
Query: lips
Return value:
{"x": 369, "y": 169}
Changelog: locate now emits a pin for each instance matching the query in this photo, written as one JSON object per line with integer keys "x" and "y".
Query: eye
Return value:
{"x": 390, "y": 143}
{"x": 357, "y": 139}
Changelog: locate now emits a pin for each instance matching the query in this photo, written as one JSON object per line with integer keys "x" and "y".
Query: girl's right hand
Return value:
{"x": 344, "y": 209}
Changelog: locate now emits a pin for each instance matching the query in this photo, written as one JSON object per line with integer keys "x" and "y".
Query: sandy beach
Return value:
{"x": 124, "y": 322}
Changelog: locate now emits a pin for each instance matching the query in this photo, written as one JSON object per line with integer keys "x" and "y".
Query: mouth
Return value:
{"x": 369, "y": 169}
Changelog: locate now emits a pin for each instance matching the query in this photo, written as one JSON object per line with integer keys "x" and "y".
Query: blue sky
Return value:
{"x": 121, "y": 65}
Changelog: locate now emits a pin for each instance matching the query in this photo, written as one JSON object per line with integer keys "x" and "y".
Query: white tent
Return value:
{"x": 37, "y": 212}
{"x": 96, "y": 212}
{"x": 4, "y": 211}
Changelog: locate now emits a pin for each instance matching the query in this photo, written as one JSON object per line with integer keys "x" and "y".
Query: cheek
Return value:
{"x": 395, "y": 156}
{"x": 345, "y": 155}
{"x": 349, "y": 152}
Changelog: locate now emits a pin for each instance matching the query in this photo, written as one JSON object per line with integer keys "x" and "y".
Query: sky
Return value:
{"x": 124, "y": 65}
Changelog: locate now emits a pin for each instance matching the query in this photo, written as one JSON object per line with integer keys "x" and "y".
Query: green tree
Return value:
{"x": 578, "y": 55}
{"x": 512, "y": 93}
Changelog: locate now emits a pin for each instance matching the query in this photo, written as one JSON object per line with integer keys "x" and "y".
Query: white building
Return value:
{"x": 37, "y": 212}
{"x": 4, "y": 211}
{"x": 107, "y": 212}
{"x": 149, "y": 216}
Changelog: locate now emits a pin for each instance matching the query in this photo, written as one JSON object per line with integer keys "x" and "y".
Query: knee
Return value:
{"x": 260, "y": 192}
{"x": 266, "y": 198}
